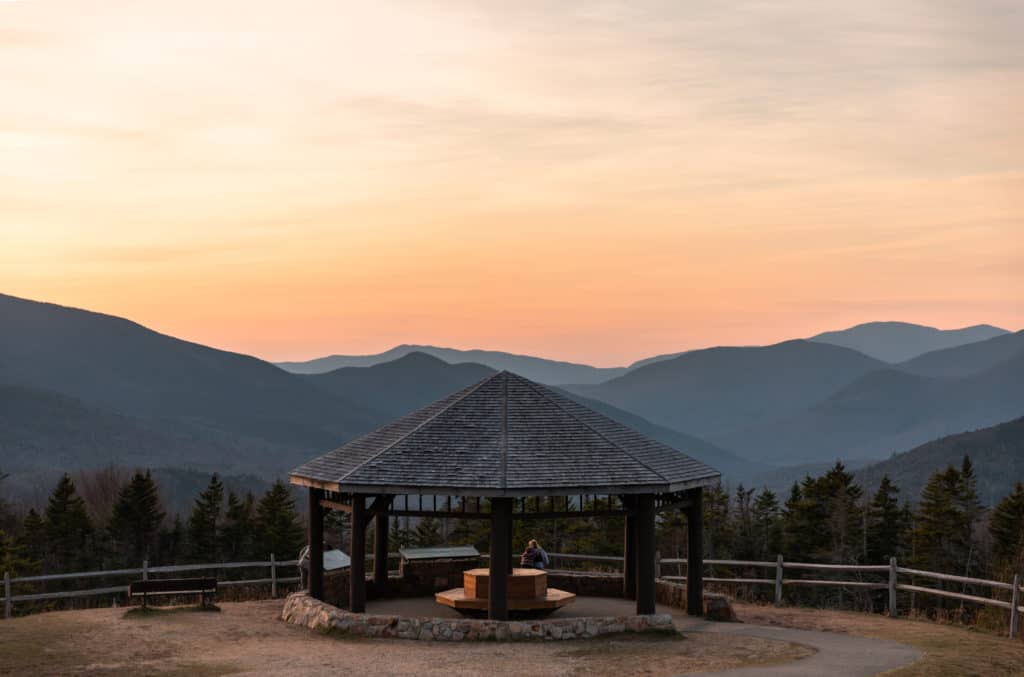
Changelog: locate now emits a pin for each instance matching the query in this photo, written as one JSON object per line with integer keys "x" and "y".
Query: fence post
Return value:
{"x": 778, "y": 581}
{"x": 273, "y": 576}
{"x": 1015, "y": 616}
{"x": 145, "y": 569}
{"x": 7, "y": 594}
{"x": 892, "y": 587}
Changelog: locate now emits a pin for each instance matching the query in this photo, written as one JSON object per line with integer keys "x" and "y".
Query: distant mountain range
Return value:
{"x": 550, "y": 372}
{"x": 81, "y": 389}
{"x": 885, "y": 341}
{"x": 996, "y": 452}
{"x": 901, "y": 341}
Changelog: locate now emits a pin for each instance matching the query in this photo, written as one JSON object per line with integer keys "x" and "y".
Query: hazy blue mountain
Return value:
{"x": 900, "y": 341}
{"x": 733, "y": 468}
{"x": 997, "y": 453}
{"x": 551, "y": 372}
{"x": 121, "y": 366}
{"x": 961, "y": 361}
{"x": 43, "y": 429}
{"x": 712, "y": 391}
{"x": 885, "y": 411}
{"x": 651, "y": 360}
{"x": 401, "y": 386}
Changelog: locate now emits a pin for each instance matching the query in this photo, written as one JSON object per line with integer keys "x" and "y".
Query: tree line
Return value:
{"x": 222, "y": 527}
{"x": 823, "y": 519}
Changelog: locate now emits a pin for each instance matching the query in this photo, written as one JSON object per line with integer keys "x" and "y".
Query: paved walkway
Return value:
{"x": 838, "y": 654}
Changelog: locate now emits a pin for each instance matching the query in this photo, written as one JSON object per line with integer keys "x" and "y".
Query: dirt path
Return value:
{"x": 248, "y": 639}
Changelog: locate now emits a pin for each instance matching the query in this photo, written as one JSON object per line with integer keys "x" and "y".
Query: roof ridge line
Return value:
{"x": 406, "y": 436}
{"x": 541, "y": 391}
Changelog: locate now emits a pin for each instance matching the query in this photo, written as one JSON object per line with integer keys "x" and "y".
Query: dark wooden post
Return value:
{"x": 357, "y": 570}
{"x": 695, "y": 553}
{"x": 380, "y": 550}
{"x": 629, "y": 550}
{"x": 316, "y": 544}
{"x": 501, "y": 555}
{"x": 645, "y": 573}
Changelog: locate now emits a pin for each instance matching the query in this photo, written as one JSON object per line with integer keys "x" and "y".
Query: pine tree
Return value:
{"x": 67, "y": 530}
{"x": 33, "y": 536}
{"x": 14, "y": 557}
{"x": 718, "y": 528}
{"x": 278, "y": 528}
{"x": 767, "y": 519}
{"x": 1007, "y": 530}
{"x": 205, "y": 522}
{"x": 940, "y": 525}
{"x": 136, "y": 519}
{"x": 427, "y": 533}
{"x": 744, "y": 541}
{"x": 170, "y": 543}
{"x": 399, "y": 537}
{"x": 886, "y": 524}
{"x": 239, "y": 528}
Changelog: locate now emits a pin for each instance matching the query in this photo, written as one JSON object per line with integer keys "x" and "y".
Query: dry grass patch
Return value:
{"x": 248, "y": 639}
{"x": 949, "y": 651}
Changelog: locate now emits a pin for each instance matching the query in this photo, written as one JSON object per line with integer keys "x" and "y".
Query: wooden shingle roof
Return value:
{"x": 505, "y": 436}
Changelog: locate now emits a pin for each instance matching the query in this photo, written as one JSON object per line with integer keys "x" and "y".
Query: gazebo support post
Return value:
{"x": 501, "y": 555}
{"x": 316, "y": 544}
{"x": 380, "y": 552}
{"x": 695, "y": 553}
{"x": 357, "y": 570}
{"x": 645, "y": 573}
{"x": 630, "y": 550}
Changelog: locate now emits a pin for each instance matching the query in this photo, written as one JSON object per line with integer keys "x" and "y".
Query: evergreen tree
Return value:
{"x": 427, "y": 533}
{"x": 278, "y": 528}
{"x": 767, "y": 519}
{"x": 67, "y": 529}
{"x": 239, "y": 530}
{"x": 33, "y": 536}
{"x": 204, "y": 523}
{"x": 399, "y": 537}
{"x": 14, "y": 557}
{"x": 823, "y": 519}
{"x": 941, "y": 532}
{"x": 744, "y": 540}
{"x": 886, "y": 524}
{"x": 136, "y": 519}
{"x": 170, "y": 543}
{"x": 1007, "y": 530}
{"x": 718, "y": 529}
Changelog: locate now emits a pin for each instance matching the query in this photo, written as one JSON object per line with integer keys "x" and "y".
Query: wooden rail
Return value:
{"x": 145, "y": 570}
{"x": 1015, "y": 605}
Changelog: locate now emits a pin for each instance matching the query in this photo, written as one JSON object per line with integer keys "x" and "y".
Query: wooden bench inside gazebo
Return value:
{"x": 504, "y": 449}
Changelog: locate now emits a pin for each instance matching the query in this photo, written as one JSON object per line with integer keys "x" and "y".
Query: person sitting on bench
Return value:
{"x": 534, "y": 556}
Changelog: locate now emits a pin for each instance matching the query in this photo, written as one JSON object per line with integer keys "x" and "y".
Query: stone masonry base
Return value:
{"x": 301, "y": 609}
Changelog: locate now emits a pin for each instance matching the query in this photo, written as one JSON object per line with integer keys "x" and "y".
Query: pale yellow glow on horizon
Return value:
{"x": 600, "y": 183}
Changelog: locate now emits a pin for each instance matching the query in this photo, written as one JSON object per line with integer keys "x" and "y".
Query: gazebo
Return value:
{"x": 500, "y": 447}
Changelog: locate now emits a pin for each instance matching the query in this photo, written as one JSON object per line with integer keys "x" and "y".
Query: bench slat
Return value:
{"x": 170, "y": 586}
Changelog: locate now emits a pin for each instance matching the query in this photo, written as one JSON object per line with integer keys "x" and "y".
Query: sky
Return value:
{"x": 591, "y": 181}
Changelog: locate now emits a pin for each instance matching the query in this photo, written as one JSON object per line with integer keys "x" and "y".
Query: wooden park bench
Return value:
{"x": 206, "y": 588}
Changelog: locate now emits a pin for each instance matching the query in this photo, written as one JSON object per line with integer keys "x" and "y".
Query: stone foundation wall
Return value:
{"x": 716, "y": 607}
{"x": 301, "y": 609}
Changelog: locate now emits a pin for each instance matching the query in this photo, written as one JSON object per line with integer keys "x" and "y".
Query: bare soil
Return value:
{"x": 247, "y": 638}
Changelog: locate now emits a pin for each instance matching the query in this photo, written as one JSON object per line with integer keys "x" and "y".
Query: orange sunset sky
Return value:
{"x": 591, "y": 181}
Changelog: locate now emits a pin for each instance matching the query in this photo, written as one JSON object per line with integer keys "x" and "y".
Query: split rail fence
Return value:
{"x": 891, "y": 572}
